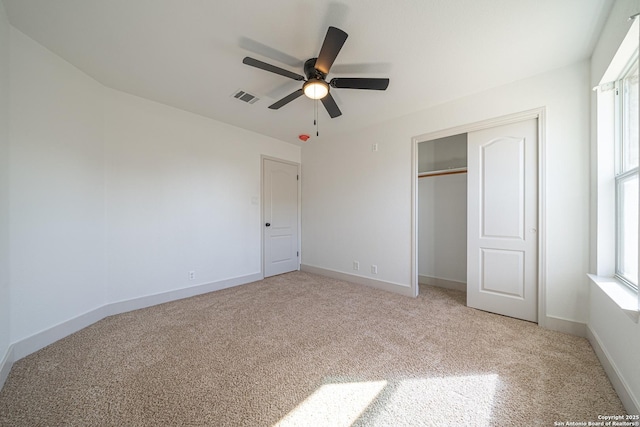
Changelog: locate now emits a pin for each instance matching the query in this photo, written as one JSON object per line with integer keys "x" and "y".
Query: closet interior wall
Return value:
{"x": 442, "y": 212}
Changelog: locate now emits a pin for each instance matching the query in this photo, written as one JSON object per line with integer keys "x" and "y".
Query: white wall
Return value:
{"x": 356, "y": 204}
{"x": 57, "y": 190}
{"x": 443, "y": 153}
{"x": 616, "y": 333}
{"x": 442, "y": 227}
{"x": 4, "y": 186}
{"x": 182, "y": 194}
{"x": 114, "y": 198}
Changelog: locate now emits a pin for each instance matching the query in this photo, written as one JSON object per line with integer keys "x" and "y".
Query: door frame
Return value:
{"x": 261, "y": 204}
{"x": 536, "y": 113}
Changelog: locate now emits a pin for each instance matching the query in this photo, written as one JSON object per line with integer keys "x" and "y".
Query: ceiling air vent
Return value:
{"x": 245, "y": 96}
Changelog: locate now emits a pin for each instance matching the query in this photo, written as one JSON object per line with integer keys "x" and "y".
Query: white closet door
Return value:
{"x": 502, "y": 221}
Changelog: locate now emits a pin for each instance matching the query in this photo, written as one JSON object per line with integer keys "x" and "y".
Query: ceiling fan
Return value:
{"x": 316, "y": 69}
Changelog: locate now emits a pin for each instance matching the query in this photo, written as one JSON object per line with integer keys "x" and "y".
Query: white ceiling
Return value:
{"x": 188, "y": 53}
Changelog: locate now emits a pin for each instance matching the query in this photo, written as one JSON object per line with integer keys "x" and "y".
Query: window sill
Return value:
{"x": 622, "y": 295}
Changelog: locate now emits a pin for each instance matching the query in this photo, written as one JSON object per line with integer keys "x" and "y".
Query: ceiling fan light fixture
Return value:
{"x": 316, "y": 88}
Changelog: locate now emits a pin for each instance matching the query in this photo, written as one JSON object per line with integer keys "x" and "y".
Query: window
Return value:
{"x": 626, "y": 174}
{"x": 615, "y": 185}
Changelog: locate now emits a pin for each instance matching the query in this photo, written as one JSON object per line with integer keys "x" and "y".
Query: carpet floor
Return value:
{"x": 305, "y": 350}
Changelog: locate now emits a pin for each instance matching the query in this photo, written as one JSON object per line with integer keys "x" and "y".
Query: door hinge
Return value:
{"x": 297, "y": 177}
{"x": 298, "y": 253}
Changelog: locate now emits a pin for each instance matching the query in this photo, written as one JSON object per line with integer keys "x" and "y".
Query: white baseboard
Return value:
{"x": 161, "y": 298}
{"x": 566, "y": 326}
{"x": 629, "y": 401}
{"x": 361, "y": 280}
{"x": 5, "y": 366}
{"x": 35, "y": 342}
{"x": 442, "y": 283}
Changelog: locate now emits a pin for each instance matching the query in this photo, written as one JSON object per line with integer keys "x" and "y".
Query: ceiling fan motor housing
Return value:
{"x": 311, "y": 71}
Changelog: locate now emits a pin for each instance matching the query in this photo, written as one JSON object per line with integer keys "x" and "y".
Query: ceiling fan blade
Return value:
{"x": 331, "y": 106}
{"x": 331, "y": 46}
{"x": 271, "y": 68}
{"x": 287, "y": 99}
{"x": 359, "y": 83}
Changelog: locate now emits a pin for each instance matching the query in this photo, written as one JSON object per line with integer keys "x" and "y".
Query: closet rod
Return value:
{"x": 443, "y": 172}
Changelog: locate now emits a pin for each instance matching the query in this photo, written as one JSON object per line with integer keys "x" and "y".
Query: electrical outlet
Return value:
{"x": 356, "y": 265}
{"x": 374, "y": 269}
{"x": 374, "y": 147}
{"x": 192, "y": 275}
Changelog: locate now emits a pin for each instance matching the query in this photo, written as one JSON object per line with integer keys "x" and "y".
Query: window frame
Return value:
{"x": 621, "y": 175}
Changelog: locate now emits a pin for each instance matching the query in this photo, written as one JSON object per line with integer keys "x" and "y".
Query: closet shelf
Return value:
{"x": 442, "y": 172}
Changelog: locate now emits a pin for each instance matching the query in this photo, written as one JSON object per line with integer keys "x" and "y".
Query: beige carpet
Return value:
{"x": 300, "y": 349}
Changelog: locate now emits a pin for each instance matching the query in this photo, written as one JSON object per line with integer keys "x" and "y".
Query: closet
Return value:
{"x": 477, "y": 216}
{"x": 442, "y": 212}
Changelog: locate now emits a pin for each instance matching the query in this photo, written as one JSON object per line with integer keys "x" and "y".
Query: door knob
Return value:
{"x": 268, "y": 224}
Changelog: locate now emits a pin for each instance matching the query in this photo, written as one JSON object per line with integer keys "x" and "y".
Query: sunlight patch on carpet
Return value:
{"x": 334, "y": 405}
{"x": 461, "y": 400}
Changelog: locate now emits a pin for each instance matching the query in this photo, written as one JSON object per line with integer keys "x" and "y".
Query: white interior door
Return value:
{"x": 280, "y": 214}
{"x": 502, "y": 221}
